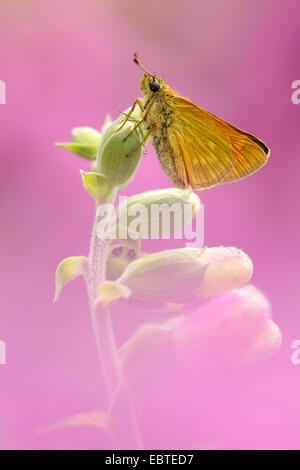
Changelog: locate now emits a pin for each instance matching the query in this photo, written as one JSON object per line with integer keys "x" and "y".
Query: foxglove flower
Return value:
{"x": 233, "y": 329}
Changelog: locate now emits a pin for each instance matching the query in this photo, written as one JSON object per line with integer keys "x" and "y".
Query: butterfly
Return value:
{"x": 196, "y": 149}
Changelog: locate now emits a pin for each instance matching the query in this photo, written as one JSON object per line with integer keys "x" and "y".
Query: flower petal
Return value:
{"x": 235, "y": 328}
{"x": 227, "y": 268}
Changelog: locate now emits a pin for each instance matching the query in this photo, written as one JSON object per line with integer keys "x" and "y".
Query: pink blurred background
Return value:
{"x": 70, "y": 63}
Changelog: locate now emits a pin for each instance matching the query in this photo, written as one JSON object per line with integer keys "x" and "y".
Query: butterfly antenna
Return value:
{"x": 137, "y": 61}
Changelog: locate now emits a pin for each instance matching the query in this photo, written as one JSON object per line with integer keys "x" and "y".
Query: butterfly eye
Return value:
{"x": 154, "y": 85}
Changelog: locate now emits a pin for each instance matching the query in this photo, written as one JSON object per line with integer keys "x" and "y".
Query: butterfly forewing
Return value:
{"x": 250, "y": 152}
{"x": 206, "y": 153}
{"x": 214, "y": 151}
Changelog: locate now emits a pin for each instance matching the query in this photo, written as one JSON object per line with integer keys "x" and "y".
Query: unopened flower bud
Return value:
{"x": 85, "y": 135}
{"x": 167, "y": 276}
{"x": 85, "y": 141}
{"x": 160, "y": 212}
{"x": 119, "y": 152}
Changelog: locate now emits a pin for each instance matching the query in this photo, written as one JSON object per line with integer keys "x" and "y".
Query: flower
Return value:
{"x": 119, "y": 257}
{"x": 186, "y": 275}
{"x": 233, "y": 329}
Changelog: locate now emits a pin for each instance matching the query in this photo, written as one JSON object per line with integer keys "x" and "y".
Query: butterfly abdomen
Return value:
{"x": 167, "y": 154}
{"x": 161, "y": 119}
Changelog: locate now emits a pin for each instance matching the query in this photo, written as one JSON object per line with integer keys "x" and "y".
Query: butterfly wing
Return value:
{"x": 250, "y": 152}
{"x": 212, "y": 151}
{"x": 203, "y": 155}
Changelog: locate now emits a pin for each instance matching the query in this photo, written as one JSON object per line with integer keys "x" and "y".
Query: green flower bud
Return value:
{"x": 85, "y": 141}
{"x": 85, "y": 135}
{"x": 167, "y": 276}
{"x": 119, "y": 153}
{"x": 156, "y": 209}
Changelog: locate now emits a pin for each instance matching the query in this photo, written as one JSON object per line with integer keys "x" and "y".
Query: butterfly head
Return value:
{"x": 150, "y": 84}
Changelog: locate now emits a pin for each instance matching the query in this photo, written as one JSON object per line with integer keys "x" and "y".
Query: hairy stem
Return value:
{"x": 126, "y": 430}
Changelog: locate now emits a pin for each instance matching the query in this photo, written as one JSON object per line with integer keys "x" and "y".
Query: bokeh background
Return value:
{"x": 69, "y": 63}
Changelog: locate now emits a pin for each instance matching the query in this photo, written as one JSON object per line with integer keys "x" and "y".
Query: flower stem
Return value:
{"x": 126, "y": 431}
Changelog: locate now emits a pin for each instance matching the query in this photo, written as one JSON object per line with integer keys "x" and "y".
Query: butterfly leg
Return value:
{"x": 139, "y": 123}
{"x": 138, "y": 102}
{"x": 145, "y": 138}
{"x": 124, "y": 114}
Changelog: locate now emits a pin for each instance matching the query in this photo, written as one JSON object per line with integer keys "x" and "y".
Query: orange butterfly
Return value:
{"x": 195, "y": 148}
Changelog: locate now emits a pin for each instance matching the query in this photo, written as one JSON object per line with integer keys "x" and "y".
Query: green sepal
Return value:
{"x": 97, "y": 185}
{"x": 86, "y": 151}
{"x": 68, "y": 269}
